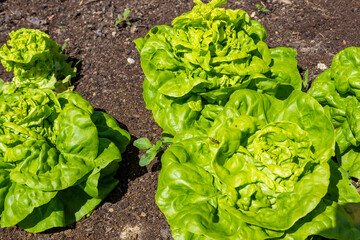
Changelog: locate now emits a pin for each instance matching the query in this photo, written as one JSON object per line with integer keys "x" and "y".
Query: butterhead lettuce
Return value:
{"x": 36, "y": 61}
{"x": 338, "y": 90}
{"x": 206, "y": 55}
{"x": 263, "y": 170}
{"x": 58, "y": 158}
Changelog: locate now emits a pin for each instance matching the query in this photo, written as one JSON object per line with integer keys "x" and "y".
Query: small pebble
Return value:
{"x": 165, "y": 233}
{"x": 133, "y": 29}
{"x": 124, "y": 204}
{"x": 285, "y": 1}
{"x": 89, "y": 230}
{"x": 34, "y": 20}
{"x": 111, "y": 210}
{"x": 130, "y": 60}
{"x": 113, "y": 34}
{"x": 98, "y": 32}
{"x": 322, "y": 66}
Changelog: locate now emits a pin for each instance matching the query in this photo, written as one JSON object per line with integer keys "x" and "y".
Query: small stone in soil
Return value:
{"x": 322, "y": 66}
{"x": 34, "y": 20}
{"x": 130, "y": 60}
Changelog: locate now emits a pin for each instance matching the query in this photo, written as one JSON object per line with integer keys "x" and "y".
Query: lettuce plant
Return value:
{"x": 262, "y": 171}
{"x": 36, "y": 61}
{"x": 209, "y": 53}
{"x": 338, "y": 90}
{"x": 58, "y": 158}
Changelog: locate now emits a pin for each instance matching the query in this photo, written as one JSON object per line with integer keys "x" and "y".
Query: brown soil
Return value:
{"x": 317, "y": 29}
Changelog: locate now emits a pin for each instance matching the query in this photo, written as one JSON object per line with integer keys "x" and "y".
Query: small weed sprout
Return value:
{"x": 122, "y": 18}
{"x": 63, "y": 47}
{"x": 261, "y": 9}
{"x": 61, "y": 27}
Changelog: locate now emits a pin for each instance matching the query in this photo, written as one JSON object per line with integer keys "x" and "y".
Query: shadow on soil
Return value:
{"x": 78, "y": 64}
{"x": 129, "y": 168}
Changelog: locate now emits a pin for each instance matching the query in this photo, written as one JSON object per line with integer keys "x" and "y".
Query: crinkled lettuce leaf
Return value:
{"x": 209, "y": 53}
{"x": 336, "y": 216}
{"x": 337, "y": 89}
{"x": 261, "y": 168}
{"x": 58, "y": 158}
{"x": 36, "y": 61}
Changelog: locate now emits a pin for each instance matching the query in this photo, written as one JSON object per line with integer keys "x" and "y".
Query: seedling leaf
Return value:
{"x": 142, "y": 143}
{"x": 148, "y": 157}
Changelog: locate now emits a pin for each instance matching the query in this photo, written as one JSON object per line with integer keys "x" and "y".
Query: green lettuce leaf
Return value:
{"x": 336, "y": 216}
{"x": 36, "y": 61}
{"x": 20, "y": 201}
{"x": 60, "y": 212}
{"x": 209, "y": 53}
{"x": 258, "y": 171}
{"x": 58, "y": 158}
{"x": 54, "y": 163}
{"x": 337, "y": 89}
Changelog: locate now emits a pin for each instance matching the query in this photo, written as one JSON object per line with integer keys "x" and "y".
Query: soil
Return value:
{"x": 110, "y": 78}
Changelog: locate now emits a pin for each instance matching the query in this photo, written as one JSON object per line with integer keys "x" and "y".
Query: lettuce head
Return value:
{"x": 338, "y": 90}
{"x": 262, "y": 171}
{"x": 58, "y": 158}
{"x": 36, "y": 61}
{"x": 206, "y": 55}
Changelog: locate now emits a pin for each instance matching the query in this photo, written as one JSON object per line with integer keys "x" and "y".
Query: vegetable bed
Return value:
{"x": 111, "y": 81}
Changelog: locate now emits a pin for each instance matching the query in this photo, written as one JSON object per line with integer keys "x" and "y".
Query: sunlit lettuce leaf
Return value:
{"x": 36, "y": 61}
{"x": 338, "y": 90}
{"x": 209, "y": 53}
{"x": 261, "y": 168}
{"x": 336, "y": 216}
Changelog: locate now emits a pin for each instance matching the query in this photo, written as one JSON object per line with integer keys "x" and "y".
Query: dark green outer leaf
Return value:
{"x": 4, "y": 183}
{"x": 106, "y": 165}
{"x": 334, "y": 217}
{"x": 64, "y": 152}
{"x": 350, "y": 162}
{"x": 60, "y": 211}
